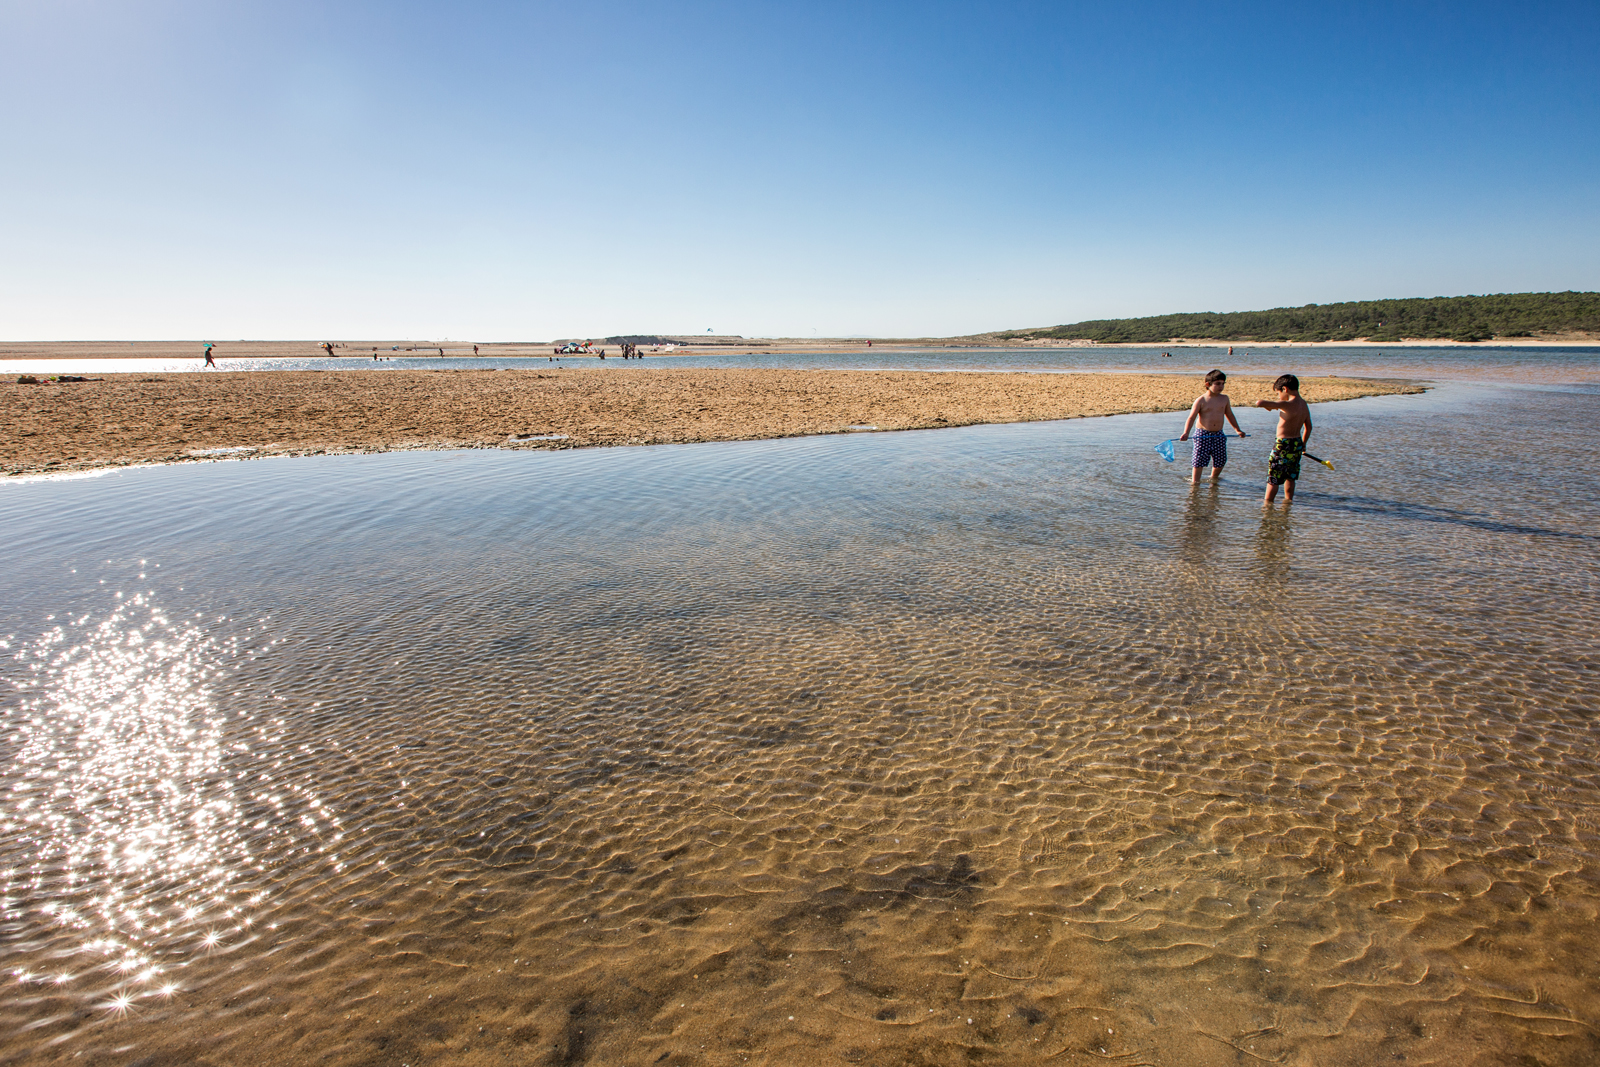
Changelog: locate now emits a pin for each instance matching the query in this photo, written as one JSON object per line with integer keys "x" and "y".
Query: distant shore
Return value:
{"x": 127, "y": 419}
{"x": 413, "y": 350}
{"x": 1509, "y": 342}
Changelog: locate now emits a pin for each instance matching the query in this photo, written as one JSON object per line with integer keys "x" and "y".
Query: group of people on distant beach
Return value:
{"x": 1212, "y": 407}
{"x": 630, "y": 351}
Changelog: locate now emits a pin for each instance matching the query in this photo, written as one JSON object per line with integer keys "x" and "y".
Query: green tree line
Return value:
{"x": 1461, "y": 318}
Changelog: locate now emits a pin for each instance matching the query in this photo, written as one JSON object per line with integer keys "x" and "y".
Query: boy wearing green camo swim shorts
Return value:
{"x": 1294, "y": 430}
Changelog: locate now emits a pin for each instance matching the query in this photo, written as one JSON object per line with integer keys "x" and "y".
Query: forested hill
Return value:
{"x": 1461, "y": 318}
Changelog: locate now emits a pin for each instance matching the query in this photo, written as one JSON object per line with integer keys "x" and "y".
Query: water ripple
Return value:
{"x": 987, "y": 743}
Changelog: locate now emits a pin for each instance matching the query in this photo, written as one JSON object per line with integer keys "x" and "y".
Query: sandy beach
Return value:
{"x": 125, "y": 419}
{"x": 416, "y": 350}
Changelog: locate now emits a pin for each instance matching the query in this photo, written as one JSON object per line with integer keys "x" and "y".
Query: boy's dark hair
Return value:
{"x": 1287, "y": 381}
{"x": 1215, "y": 376}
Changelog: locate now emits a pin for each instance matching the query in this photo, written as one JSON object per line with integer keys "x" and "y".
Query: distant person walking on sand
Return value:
{"x": 474, "y": 349}
{"x": 1294, "y": 431}
{"x": 1210, "y": 408}
{"x": 209, "y": 361}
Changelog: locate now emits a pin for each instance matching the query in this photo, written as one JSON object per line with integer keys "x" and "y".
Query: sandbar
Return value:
{"x": 127, "y": 419}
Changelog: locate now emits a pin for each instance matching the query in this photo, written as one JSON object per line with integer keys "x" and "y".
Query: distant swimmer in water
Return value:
{"x": 1210, "y": 444}
{"x": 209, "y": 361}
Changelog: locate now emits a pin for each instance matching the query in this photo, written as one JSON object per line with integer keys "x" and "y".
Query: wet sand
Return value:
{"x": 130, "y": 419}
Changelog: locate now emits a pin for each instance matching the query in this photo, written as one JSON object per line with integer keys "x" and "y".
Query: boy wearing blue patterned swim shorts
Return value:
{"x": 1211, "y": 444}
{"x": 1294, "y": 432}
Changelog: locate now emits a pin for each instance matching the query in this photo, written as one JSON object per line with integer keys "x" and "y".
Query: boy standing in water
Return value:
{"x": 1211, "y": 444}
{"x": 1294, "y": 431}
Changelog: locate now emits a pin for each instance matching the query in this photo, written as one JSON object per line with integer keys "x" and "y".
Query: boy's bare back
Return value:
{"x": 1294, "y": 415}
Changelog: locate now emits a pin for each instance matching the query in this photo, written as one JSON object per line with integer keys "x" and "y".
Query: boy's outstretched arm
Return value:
{"x": 1194, "y": 413}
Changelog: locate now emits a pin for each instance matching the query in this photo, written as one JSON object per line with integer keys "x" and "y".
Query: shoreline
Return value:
{"x": 134, "y": 419}
{"x": 1444, "y": 342}
{"x": 362, "y": 351}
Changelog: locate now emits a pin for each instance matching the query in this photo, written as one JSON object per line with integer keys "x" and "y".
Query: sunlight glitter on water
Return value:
{"x": 137, "y": 828}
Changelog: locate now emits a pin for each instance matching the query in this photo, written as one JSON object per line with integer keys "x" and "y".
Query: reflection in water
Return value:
{"x": 1272, "y": 545}
{"x": 135, "y": 816}
{"x": 1199, "y": 522}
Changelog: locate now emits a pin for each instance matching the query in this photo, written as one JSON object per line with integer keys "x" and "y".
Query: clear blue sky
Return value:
{"x": 497, "y": 171}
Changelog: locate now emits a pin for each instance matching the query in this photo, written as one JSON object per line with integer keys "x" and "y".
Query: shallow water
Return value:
{"x": 996, "y": 743}
{"x": 1578, "y": 365}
